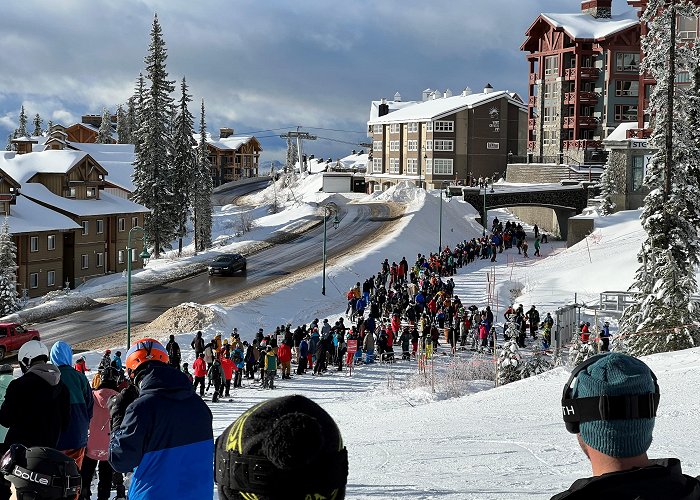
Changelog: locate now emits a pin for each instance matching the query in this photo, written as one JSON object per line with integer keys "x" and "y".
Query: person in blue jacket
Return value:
{"x": 73, "y": 440}
{"x": 161, "y": 429}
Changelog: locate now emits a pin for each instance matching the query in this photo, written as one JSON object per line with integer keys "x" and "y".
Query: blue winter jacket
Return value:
{"x": 81, "y": 400}
{"x": 303, "y": 349}
{"x": 167, "y": 437}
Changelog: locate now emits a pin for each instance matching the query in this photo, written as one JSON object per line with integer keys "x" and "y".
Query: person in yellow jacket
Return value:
{"x": 270, "y": 368}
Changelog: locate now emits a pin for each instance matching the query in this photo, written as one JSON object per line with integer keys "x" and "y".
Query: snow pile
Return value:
{"x": 188, "y": 317}
{"x": 289, "y": 190}
{"x": 403, "y": 192}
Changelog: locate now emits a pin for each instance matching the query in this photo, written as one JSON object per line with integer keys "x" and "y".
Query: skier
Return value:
{"x": 174, "y": 354}
{"x": 284, "y": 354}
{"x": 117, "y": 361}
{"x": 605, "y": 337}
{"x": 238, "y": 365}
{"x": 199, "y": 370}
{"x": 537, "y": 246}
{"x": 166, "y": 432}
{"x": 228, "y": 367}
{"x": 533, "y": 318}
{"x": 216, "y": 378}
{"x": 368, "y": 347}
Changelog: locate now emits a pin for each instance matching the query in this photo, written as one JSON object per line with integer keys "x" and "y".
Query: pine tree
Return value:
{"x": 292, "y": 154}
{"x": 580, "y": 352}
{"x": 104, "y": 134}
{"x": 9, "y": 147}
{"x": 201, "y": 196}
{"x": 662, "y": 317}
{"x": 123, "y": 133}
{"x": 152, "y": 171}
{"x": 21, "y": 130}
{"x": 607, "y": 207}
{"x": 37, "y": 126}
{"x": 49, "y": 126}
{"x": 184, "y": 162}
{"x": 538, "y": 363}
{"x": 9, "y": 300}
{"x": 131, "y": 119}
{"x": 510, "y": 364}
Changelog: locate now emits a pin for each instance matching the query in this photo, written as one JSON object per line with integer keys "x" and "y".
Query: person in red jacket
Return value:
{"x": 199, "y": 370}
{"x": 81, "y": 366}
{"x": 585, "y": 333}
{"x": 284, "y": 355}
{"x": 228, "y": 366}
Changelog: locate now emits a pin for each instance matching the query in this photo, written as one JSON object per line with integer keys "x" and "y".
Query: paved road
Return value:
{"x": 357, "y": 222}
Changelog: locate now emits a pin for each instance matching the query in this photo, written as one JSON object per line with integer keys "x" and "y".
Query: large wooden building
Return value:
{"x": 233, "y": 157}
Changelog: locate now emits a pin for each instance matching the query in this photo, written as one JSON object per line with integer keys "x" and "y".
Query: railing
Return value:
{"x": 583, "y": 121}
{"x": 585, "y": 73}
{"x": 583, "y": 144}
{"x": 532, "y": 101}
{"x": 552, "y": 159}
{"x": 533, "y": 78}
{"x": 531, "y": 123}
{"x": 531, "y": 145}
{"x": 639, "y": 133}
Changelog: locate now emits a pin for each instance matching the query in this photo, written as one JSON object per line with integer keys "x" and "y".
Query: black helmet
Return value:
{"x": 41, "y": 473}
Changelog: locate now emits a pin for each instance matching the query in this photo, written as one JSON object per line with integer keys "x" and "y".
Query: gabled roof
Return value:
{"x": 393, "y": 106}
{"x": 8, "y": 178}
{"x": 27, "y": 216}
{"x": 118, "y": 159}
{"x": 434, "y": 109}
{"x": 52, "y": 161}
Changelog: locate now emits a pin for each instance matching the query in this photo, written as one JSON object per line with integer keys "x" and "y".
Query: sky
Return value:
{"x": 263, "y": 66}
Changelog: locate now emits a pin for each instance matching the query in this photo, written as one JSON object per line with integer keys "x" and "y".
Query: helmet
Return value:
{"x": 41, "y": 473}
{"x": 145, "y": 350}
{"x": 29, "y": 352}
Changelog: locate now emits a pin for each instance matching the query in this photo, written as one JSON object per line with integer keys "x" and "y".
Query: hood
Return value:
{"x": 61, "y": 354}
{"x": 167, "y": 381}
{"x": 50, "y": 373}
{"x": 101, "y": 396}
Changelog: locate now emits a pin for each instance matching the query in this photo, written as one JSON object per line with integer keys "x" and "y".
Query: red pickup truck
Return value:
{"x": 13, "y": 336}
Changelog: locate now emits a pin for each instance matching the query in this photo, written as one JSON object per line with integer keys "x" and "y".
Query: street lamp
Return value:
{"x": 327, "y": 210}
{"x": 449, "y": 197}
{"x": 144, "y": 256}
{"x": 486, "y": 214}
{"x": 420, "y": 174}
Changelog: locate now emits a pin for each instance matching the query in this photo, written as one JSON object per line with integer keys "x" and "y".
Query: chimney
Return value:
{"x": 600, "y": 9}
{"x": 488, "y": 89}
{"x": 448, "y": 93}
{"x": 426, "y": 93}
{"x": 397, "y": 97}
{"x": 467, "y": 91}
{"x": 93, "y": 120}
{"x": 383, "y": 108}
{"x": 435, "y": 95}
{"x": 225, "y": 132}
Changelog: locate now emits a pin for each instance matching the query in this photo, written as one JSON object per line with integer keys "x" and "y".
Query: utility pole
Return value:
{"x": 299, "y": 136}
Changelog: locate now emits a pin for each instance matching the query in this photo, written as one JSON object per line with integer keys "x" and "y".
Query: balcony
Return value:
{"x": 531, "y": 123}
{"x": 583, "y": 121}
{"x": 639, "y": 133}
{"x": 533, "y": 78}
{"x": 532, "y": 101}
{"x": 584, "y": 97}
{"x": 589, "y": 73}
{"x": 583, "y": 144}
{"x": 531, "y": 145}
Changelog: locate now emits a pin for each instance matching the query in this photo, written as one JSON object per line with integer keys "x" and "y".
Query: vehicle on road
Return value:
{"x": 227, "y": 264}
{"x": 13, "y": 336}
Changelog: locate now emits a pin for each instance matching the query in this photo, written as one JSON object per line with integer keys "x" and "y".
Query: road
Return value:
{"x": 358, "y": 222}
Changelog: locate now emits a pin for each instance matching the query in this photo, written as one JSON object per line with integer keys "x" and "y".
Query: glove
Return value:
{"x": 119, "y": 403}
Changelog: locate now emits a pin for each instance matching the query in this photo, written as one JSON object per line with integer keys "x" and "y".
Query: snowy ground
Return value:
{"x": 404, "y": 440}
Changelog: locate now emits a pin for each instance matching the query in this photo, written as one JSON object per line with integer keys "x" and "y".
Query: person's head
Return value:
{"x": 32, "y": 353}
{"x": 287, "y": 447}
{"x": 199, "y": 333}
{"x": 118, "y": 354}
{"x": 172, "y": 338}
{"x": 40, "y": 473}
{"x": 201, "y": 355}
{"x": 109, "y": 378}
{"x": 143, "y": 353}
{"x": 108, "y": 352}
{"x": 610, "y": 402}
{"x": 185, "y": 366}
{"x": 61, "y": 354}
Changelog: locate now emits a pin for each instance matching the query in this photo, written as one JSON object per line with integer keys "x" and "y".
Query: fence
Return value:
{"x": 566, "y": 325}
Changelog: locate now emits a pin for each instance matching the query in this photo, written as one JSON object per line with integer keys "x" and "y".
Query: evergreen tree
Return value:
{"x": 510, "y": 363}
{"x": 9, "y": 147}
{"x": 201, "y": 197}
{"x": 37, "y": 126}
{"x": 184, "y": 162}
{"x": 579, "y": 351}
{"x": 292, "y": 154}
{"x": 662, "y": 317}
{"x": 152, "y": 171}
{"x": 123, "y": 132}
{"x": 131, "y": 119}
{"x": 49, "y": 126}
{"x": 21, "y": 131}
{"x": 104, "y": 134}
{"x": 9, "y": 300}
{"x": 607, "y": 207}
{"x": 538, "y": 363}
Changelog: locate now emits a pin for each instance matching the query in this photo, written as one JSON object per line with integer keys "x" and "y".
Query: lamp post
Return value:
{"x": 420, "y": 174}
{"x": 144, "y": 256}
{"x": 327, "y": 210}
{"x": 486, "y": 216}
{"x": 449, "y": 197}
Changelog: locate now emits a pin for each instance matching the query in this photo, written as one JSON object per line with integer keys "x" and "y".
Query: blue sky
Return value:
{"x": 263, "y": 65}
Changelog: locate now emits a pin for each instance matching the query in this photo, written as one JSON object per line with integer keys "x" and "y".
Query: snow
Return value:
{"x": 107, "y": 204}
{"x": 393, "y": 106}
{"x": 117, "y": 159}
{"x": 620, "y": 132}
{"x": 582, "y": 26}
{"x": 23, "y": 167}
{"x": 27, "y": 216}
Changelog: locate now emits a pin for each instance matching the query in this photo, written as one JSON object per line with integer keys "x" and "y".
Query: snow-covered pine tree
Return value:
{"x": 510, "y": 363}
{"x": 607, "y": 190}
{"x": 37, "y": 126}
{"x": 9, "y": 300}
{"x": 184, "y": 162}
{"x": 511, "y": 328}
{"x": 21, "y": 130}
{"x": 292, "y": 154}
{"x": 123, "y": 132}
{"x": 104, "y": 133}
{"x": 8, "y": 147}
{"x": 152, "y": 170}
{"x": 580, "y": 352}
{"x": 131, "y": 119}
{"x": 538, "y": 363}
{"x": 201, "y": 197}
{"x": 663, "y": 317}
{"x": 49, "y": 126}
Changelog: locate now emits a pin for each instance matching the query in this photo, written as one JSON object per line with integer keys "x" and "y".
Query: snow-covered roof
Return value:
{"x": 108, "y": 204}
{"x": 355, "y": 161}
{"x": 27, "y": 216}
{"x": 229, "y": 143}
{"x": 583, "y": 26}
{"x": 53, "y": 161}
{"x": 393, "y": 106}
{"x": 117, "y": 159}
{"x": 433, "y": 109}
{"x": 620, "y": 132}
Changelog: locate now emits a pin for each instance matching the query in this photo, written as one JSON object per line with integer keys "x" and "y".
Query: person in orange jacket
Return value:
{"x": 284, "y": 354}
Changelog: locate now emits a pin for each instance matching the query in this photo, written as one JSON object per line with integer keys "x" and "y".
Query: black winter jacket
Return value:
{"x": 663, "y": 480}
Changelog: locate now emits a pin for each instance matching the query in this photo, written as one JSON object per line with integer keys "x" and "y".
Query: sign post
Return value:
{"x": 352, "y": 349}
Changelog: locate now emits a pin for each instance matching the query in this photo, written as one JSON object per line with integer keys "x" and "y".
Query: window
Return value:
{"x": 394, "y": 145}
{"x": 134, "y": 221}
{"x": 444, "y": 126}
{"x": 442, "y": 166}
{"x": 429, "y": 145}
{"x": 412, "y": 127}
{"x": 549, "y": 138}
{"x": 428, "y": 165}
{"x": 377, "y": 165}
{"x": 99, "y": 259}
{"x": 86, "y": 227}
{"x": 626, "y": 62}
{"x": 687, "y": 27}
{"x": 51, "y": 278}
{"x": 34, "y": 280}
{"x": 91, "y": 192}
{"x": 395, "y": 128}
{"x": 121, "y": 224}
{"x": 626, "y": 113}
{"x": 120, "y": 256}
{"x": 413, "y": 145}
{"x": 377, "y": 146}
{"x": 100, "y": 226}
{"x": 551, "y": 66}
{"x": 440, "y": 145}
{"x": 33, "y": 243}
{"x": 84, "y": 261}
{"x": 637, "y": 173}
{"x": 549, "y": 114}
{"x": 134, "y": 255}
{"x": 412, "y": 166}
{"x": 682, "y": 77}
{"x": 429, "y": 127}
{"x": 71, "y": 192}
{"x": 51, "y": 242}
{"x": 627, "y": 88}
{"x": 377, "y": 129}
{"x": 551, "y": 91}
{"x": 394, "y": 166}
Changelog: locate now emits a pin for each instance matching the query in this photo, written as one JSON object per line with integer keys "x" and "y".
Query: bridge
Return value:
{"x": 565, "y": 201}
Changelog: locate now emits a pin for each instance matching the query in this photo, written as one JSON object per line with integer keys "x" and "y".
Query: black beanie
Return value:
{"x": 287, "y": 447}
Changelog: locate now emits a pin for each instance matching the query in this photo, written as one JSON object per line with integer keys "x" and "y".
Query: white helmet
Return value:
{"x": 30, "y": 351}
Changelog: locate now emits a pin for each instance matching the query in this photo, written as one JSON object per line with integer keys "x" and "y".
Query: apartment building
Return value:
{"x": 233, "y": 157}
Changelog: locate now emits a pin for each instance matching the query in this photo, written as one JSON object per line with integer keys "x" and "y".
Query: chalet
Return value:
{"x": 233, "y": 157}
{"x": 88, "y": 128}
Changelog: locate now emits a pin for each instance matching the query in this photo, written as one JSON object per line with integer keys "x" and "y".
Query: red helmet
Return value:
{"x": 145, "y": 350}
